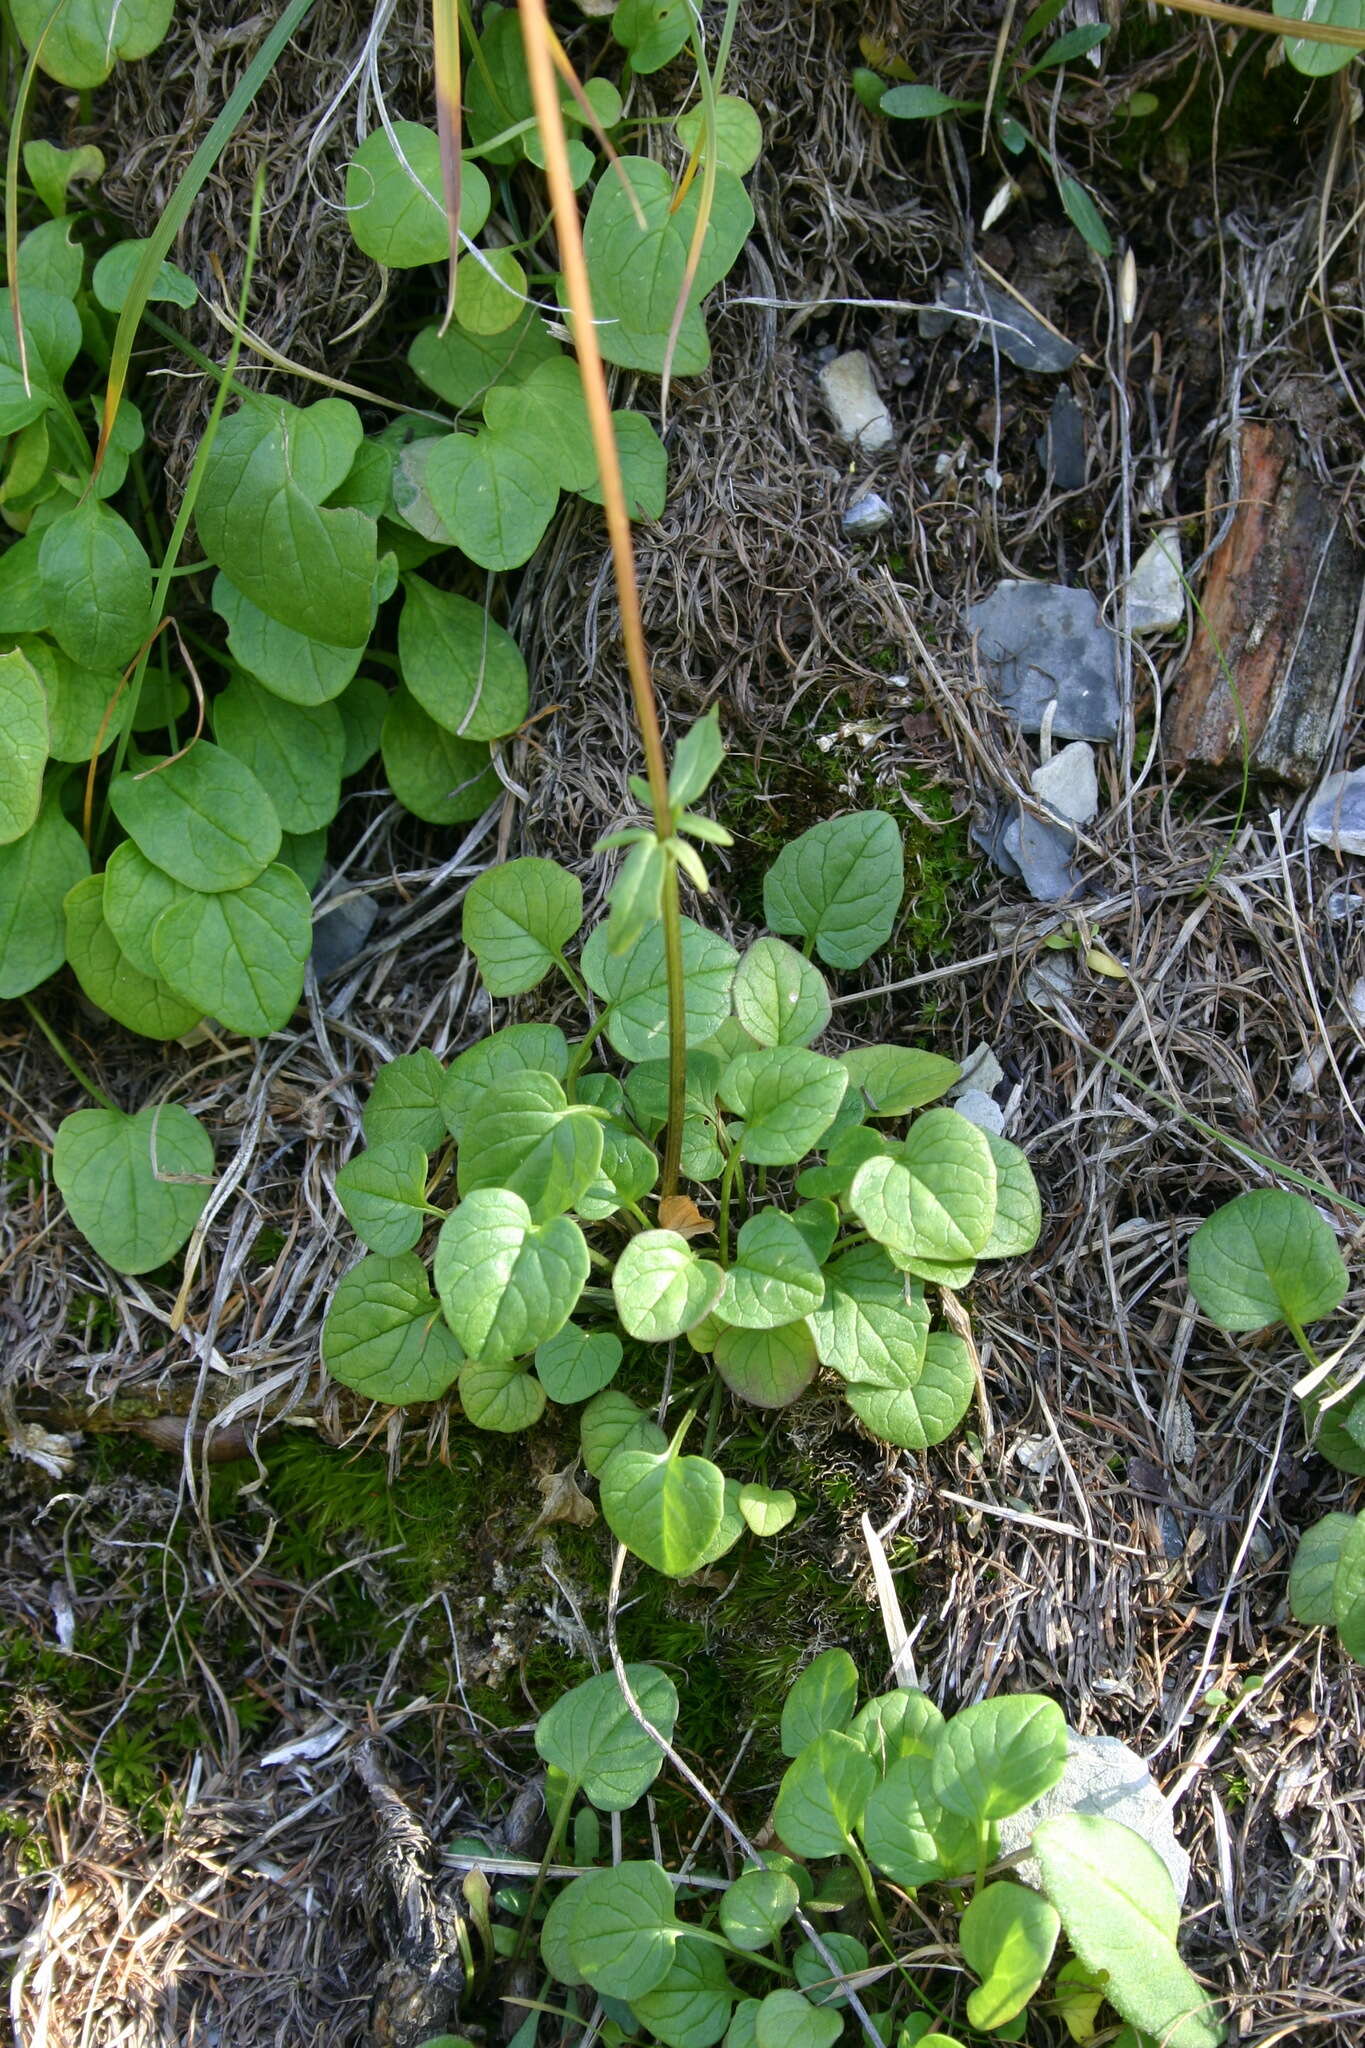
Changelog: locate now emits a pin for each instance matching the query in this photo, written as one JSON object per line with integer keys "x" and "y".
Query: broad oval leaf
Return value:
{"x": 999, "y": 1755}
{"x": 395, "y": 207}
{"x": 787, "y": 2020}
{"x": 774, "y": 1279}
{"x": 591, "y": 1735}
{"x": 691, "y": 2008}
{"x": 1121, "y": 1916}
{"x": 516, "y": 1049}
{"x": 1266, "y": 1257}
{"x": 140, "y": 1002}
{"x": 820, "y": 1702}
{"x": 766, "y": 1509}
{"x": 465, "y": 670}
{"x": 873, "y": 1325}
{"x": 624, "y": 1929}
{"x": 291, "y": 665}
{"x": 769, "y": 1368}
{"x": 440, "y": 779}
{"x": 635, "y": 985}
{"x": 1007, "y": 1936}
{"x": 756, "y": 1907}
{"x": 611, "y": 1422}
{"x": 664, "y": 1506}
{"x": 239, "y": 954}
{"x": 822, "y": 1795}
{"x": 384, "y": 1336}
{"x": 404, "y": 1106}
{"x": 738, "y": 133}
{"x": 788, "y": 1097}
{"x": 662, "y": 1286}
{"x": 934, "y": 1198}
{"x": 498, "y": 1395}
{"x": 894, "y": 1079}
{"x": 1018, "y": 1222}
{"x": 203, "y": 819}
{"x": 780, "y": 998}
{"x": 295, "y": 751}
{"x": 840, "y": 886}
{"x": 908, "y": 1832}
{"x": 97, "y": 585}
{"x": 36, "y": 874}
{"x": 24, "y": 722}
{"x": 525, "y": 1136}
{"x": 383, "y": 1192}
{"x": 82, "y": 42}
{"x": 135, "y": 1185}
{"x": 928, "y": 1404}
{"x": 518, "y": 918}
{"x": 577, "y": 1364}
{"x": 1314, "y": 1569}
{"x": 507, "y": 1283}
{"x": 492, "y": 497}
{"x": 1314, "y": 59}
{"x": 897, "y": 1724}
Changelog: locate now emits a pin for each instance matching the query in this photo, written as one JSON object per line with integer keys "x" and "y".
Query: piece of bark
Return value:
{"x": 1279, "y": 603}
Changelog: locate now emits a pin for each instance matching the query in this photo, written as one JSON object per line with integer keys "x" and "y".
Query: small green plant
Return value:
{"x": 1007, "y": 109}
{"x": 1269, "y": 1258}
{"x": 887, "y": 1814}
{"x": 1327, "y": 1580}
{"x": 829, "y": 1214}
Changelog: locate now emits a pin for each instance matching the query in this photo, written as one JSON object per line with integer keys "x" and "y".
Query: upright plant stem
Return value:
{"x": 97, "y": 1094}
{"x": 537, "y": 33}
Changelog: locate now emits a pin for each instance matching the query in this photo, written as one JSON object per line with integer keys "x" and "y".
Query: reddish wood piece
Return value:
{"x": 1280, "y": 599}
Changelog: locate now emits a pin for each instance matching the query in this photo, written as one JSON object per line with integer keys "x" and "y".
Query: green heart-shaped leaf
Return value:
{"x": 997, "y": 1756}
{"x": 464, "y": 669}
{"x": 405, "y": 1102}
{"x": 1314, "y": 1569}
{"x": 897, "y": 1724}
{"x": 665, "y": 1507}
{"x": 624, "y": 1929}
{"x": 439, "y": 778}
{"x": 934, "y": 1198}
{"x": 756, "y": 1907}
{"x": 770, "y": 1368}
{"x": 139, "y": 1001}
{"x": 788, "y": 1097}
{"x": 766, "y": 1509}
{"x": 516, "y": 1049}
{"x": 612, "y": 1422}
{"x": 384, "y": 1336}
{"x": 518, "y": 918}
{"x": 36, "y": 874}
{"x": 290, "y": 665}
{"x": 909, "y": 1833}
{"x": 787, "y": 2020}
{"x": 578, "y": 1363}
{"x": 662, "y": 1286}
{"x": 1266, "y": 1257}
{"x": 1018, "y": 1206}
{"x": 822, "y": 1795}
{"x": 203, "y": 819}
{"x": 524, "y": 1135}
{"x": 873, "y": 1325}
{"x": 383, "y": 1192}
{"x": 295, "y": 751}
{"x": 1007, "y": 1935}
{"x": 591, "y": 1735}
{"x": 839, "y": 886}
{"x": 780, "y": 998}
{"x": 24, "y": 721}
{"x": 135, "y": 1185}
{"x": 507, "y": 1283}
{"x": 635, "y": 985}
{"x": 691, "y": 2008}
{"x": 774, "y": 1279}
{"x": 395, "y": 207}
{"x": 497, "y": 1395}
{"x": 239, "y": 954}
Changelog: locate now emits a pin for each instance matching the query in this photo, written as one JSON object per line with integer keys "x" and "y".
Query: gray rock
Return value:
{"x": 1040, "y": 643}
{"x": 986, "y": 315}
{"x": 988, "y": 832}
{"x": 1155, "y": 592}
{"x": 1044, "y": 855}
{"x": 869, "y": 515}
{"x": 981, "y": 1069}
{"x": 340, "y": 931}
{"x": 856, "y": 406}
{"x": 1106, "y": 1778}
{"x": 1061, "y": 449}
{"x": 1336, "y": 812}
{"x": 980, "y": 1109}
{"x": 1067, "y": 783}
{"x": 1051, "y": 980}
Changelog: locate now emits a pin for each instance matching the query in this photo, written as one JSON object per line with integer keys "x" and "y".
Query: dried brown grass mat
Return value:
{"x": 1117, "y": 1527}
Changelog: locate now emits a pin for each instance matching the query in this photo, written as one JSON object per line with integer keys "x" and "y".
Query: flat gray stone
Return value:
{"x": 986, "y": 315}
{"x": 1106, "y": 1778}
{"x": 1061, "y": 448}
{"x": 1336, "y": 812}
{"x": 869, "y": 515}
{"x": 1155, "y": 592}
{"x": 1051, "y": 980}
{"x": 1042, "y": 642}
{"x": 855, "y": 404}
{"x": 1044, "y": 854}
{"x": 1068, "y": 785}
{"x": 981, "y": 1069}
{"x": 340, "y": 932}
{"x": 980, "y": 1109}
